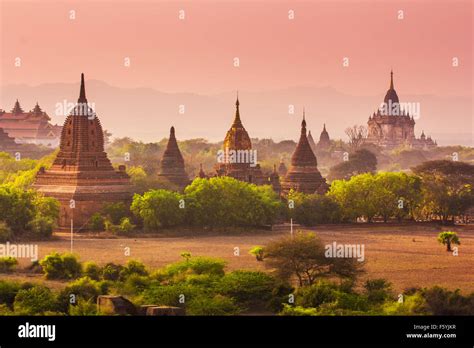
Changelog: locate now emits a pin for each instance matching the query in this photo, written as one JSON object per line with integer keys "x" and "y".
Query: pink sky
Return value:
{"x": 196, "y": 54}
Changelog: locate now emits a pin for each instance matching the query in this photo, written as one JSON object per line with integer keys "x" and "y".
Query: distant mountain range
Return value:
{"x": 147, "y": 114}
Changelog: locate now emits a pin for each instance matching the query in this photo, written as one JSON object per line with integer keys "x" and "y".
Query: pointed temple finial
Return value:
{"x": 172, "y": 132}
{"x": 303, "y": 124}
{"x": 37, "y": 109}
{"x": 391, "y": 79}
{"x": 324, "y": 126}
{"x": 237, "y": 121}
{"x": 82, "y": 93}
{"x": 17, "y": 108}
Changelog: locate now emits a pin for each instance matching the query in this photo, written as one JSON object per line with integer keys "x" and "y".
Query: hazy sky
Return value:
{"x": 196, "y": 54}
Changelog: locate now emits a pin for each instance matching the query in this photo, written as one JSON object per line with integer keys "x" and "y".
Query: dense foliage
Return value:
{"x": 215, "y": 202}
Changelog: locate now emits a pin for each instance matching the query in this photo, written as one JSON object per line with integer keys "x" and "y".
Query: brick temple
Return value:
{"x": 172, "y": 164}
{"x": 303, "y": 174}
{"x": 82, "y": 176}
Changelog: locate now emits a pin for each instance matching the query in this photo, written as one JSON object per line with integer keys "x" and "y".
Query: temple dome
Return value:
{"x": 237, "y": 137}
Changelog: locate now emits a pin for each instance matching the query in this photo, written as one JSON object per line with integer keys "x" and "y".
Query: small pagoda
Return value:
{"x": 303, "y": 174}
{"x": 172, "y": 164}
{"x": 324, "y": 142}
{"x": 82, "y": 178}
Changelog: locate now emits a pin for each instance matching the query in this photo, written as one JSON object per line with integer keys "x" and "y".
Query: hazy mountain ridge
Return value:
{"x": 147, "y": 114}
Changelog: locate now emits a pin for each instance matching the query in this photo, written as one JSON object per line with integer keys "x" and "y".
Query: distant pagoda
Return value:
{"x": 303, "y": 174}
{"x": 311, "y": 142}
{"x": 172, "y": 163}
{"x": 82, "y": 176}
{"x": 236, "y": 158}
{"x": 324, "y": 141}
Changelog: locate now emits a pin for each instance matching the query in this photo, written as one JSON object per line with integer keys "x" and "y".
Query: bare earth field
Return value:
{"x": 406, "y": 255}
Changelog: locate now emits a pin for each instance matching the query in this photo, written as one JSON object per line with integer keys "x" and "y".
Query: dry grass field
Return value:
{"x": 406, "y": 255}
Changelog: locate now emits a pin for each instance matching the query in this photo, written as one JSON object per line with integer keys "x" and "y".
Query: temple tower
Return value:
{"x": 392, "y": 125}
{"x": 303, "y": 174}
{"x": 82, "y": 177}
{"x": 324, "y": 141}
{"x": 237, "y": 159}
{"x": 172, "y": 163}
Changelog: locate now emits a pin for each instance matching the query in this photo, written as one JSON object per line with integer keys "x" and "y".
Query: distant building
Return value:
{"x": 324, "y": 142}
{"x": 303, "y": 174}
{"x": 237, "y": 159}
{"x": 172, "y": 163}
{"x": 7, "y": 143}
{"x": 31, "y": 127}
{"x": 392, "y": 125}
{"x": 282, "y": 170}
{"x": 311, "y": 142}
{"x": 82, "y": 178}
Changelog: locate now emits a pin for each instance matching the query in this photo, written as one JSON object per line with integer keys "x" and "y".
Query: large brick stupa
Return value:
{"x": 82, "y": 177}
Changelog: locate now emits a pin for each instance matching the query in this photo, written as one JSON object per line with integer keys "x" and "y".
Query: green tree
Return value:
{"x": 225, "y": 201}
{"x": 448, "y": 238}
{"x": 359, "y": 162}
{"x": 304, "y": 256}
{"x": 447, "y": 188}
{"x": 158, "y": 208}
{"x": 313, "y": 209}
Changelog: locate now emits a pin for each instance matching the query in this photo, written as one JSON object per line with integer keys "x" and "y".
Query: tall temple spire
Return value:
{"x": 391, "y": 96}
{"x": 82, "y": 93}
{"x": 303, "y": 124}
{"x": 237, "y": 137}
{"x": 237, "y": 122}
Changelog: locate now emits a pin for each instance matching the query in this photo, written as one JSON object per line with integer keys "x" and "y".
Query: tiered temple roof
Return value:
{"x": 303, "y": 175}
{"x": 32, "y": 127}
{"x": 81, "y": 171}
{"x": 172, "y": 163}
